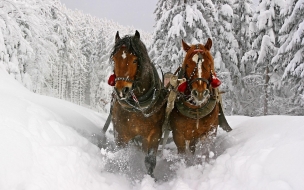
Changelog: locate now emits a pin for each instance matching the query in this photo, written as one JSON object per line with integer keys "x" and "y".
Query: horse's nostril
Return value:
{"x": 125, "y": 90}
{"x": 194, "y": 93}
{"x": 206, "y": 93}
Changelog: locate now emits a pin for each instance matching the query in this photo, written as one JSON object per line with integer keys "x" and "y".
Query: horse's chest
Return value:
{"x": 196, "y": 129}
{"x": 191, "y": 128}
{"x": 134, "y": 122}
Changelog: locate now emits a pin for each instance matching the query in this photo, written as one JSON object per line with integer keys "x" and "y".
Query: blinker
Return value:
{"x": 111, "y": 80}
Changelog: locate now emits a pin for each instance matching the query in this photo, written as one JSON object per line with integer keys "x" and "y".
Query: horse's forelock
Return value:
{"x": 134, "y": 45}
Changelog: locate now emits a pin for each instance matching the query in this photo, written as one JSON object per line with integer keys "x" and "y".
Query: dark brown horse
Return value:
{"x": 196, "y": 113}
{"x": 139, "y": 100}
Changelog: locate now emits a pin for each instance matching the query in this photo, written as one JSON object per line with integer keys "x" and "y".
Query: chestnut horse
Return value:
{"x": 139, "y": 103}
{"x": 196, "y": 112}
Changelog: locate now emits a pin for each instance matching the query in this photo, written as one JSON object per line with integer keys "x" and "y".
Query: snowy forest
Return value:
{"x": 258, "y": 52}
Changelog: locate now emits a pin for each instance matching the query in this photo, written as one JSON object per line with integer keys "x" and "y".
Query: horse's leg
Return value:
{"x": 121, "y": 141}
{"x": 150, "y": 146}
{"x": 192, "y": 145}
{"x": 180, "y": 142}
{"x": 150, "y": 161}
{"x": 211, "y": 139}
{"x": 208, "y": 143}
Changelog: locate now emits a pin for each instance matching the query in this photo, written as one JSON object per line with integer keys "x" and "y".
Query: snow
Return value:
{"x": 263, "y": 19}
{"x": 177, "y": 26}
{"x": 49, "y": 144}
{"x": 266, "y": 48}
{"x": 226, "y": 11}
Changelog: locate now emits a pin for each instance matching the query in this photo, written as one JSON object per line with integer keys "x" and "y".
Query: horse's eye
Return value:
{"x": 135, "y": 61}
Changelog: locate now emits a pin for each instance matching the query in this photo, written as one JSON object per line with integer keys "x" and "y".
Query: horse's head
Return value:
{"x": 197, "y": 69}
{"x": 126, "y": 63}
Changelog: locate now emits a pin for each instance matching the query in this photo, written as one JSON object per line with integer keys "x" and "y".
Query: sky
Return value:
{"x": 48, "y": 143}
{"x": 136, "y": 13}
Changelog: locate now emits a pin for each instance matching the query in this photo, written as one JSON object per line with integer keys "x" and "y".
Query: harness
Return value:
{"x": 184, "y": 107}
{"x": 145, "y": 103}
{"x": 187, "y": 109}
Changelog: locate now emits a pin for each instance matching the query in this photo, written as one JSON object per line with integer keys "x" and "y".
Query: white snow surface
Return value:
{"x": 50, "y": 144}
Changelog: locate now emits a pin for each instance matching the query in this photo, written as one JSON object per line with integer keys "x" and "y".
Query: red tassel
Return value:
{"x": 182, "y": 87}
{"x": 111, "y": 80}
{"x": 215, "y": 82}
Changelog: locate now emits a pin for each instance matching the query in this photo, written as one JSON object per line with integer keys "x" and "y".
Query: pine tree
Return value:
{"x": 15, "y": 31}
{"x": 242, "y": 16}
{"x": 53, "y": 50}
{"x": 290, "y": 56}
{"x": 185, "y": 20}
{"x": 100, "y": 93}
{"x": 88, "y": 38}
{"x": 266, "y": 25}
{"x": 226, "y": 54}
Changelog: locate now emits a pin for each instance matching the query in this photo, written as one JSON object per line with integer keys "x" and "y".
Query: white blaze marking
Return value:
{"x": 123, "y": 55}
{"x": 195, "y": 58}
{"x": 199, "y": 66}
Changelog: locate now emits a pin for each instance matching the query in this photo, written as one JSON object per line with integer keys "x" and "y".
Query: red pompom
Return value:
{"x": 111, "y": 80}
{"x": 182, "y": 87}
{"x": 215, "y": 82}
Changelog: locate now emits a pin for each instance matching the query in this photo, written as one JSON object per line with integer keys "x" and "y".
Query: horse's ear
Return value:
{"x": 137, "y": 35}
{"x": 208, "y": 44}
{"x": 117, "y": 37}
{"x": 186, "y": 47}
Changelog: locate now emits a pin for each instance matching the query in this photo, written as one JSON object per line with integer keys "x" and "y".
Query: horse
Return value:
{"x": 195, "y": 116}
{"x": 139, "y": 99}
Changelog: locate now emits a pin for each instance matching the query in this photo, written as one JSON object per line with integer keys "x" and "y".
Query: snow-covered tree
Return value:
{"x": 16, "y": 30}
{"x": 290, "y": 56}
{"x": 225, "y": 42}
{"x": 29, "y": 46}
{"x": 99, "y": 72}
{"x": 186, "y": 20}
{"x": 53, "y": 50}
{"x": 242, "y": 16}
{"x": 265, "y": 32}
{"x": 226, "y": 54}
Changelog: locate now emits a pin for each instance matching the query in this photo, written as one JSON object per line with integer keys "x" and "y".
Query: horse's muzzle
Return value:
{"x": 200, "y": 97}
{"x": 123, "y": 93}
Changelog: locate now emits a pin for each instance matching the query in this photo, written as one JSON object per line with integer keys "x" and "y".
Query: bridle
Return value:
{"x": 127, "y": 79}
{"x": 185, "y": 105}
{"x": 189, "y": 79}
{"x": 145, "y": 102}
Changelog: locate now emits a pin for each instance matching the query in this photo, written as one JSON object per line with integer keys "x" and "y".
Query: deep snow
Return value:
{"x": 47, "y": 143}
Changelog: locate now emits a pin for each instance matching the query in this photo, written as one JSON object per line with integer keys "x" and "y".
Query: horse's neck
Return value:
{"x": 146, "y": 82}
